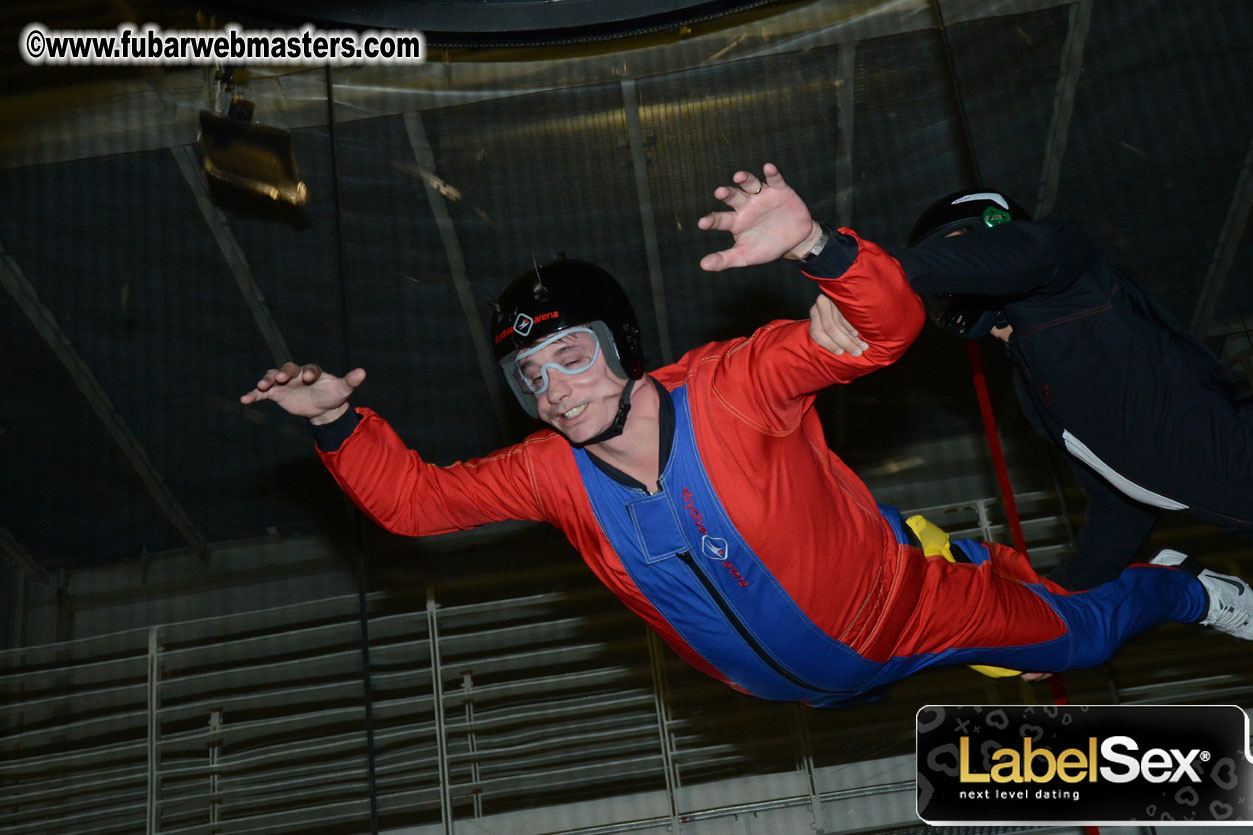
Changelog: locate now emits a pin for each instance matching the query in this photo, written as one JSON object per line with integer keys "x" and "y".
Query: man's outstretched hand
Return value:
{"x": 768, "y": 220}
{"x": 307, "y": 391}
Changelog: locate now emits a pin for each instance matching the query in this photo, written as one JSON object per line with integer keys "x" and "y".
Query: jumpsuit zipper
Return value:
{"x": 744, "y": 632}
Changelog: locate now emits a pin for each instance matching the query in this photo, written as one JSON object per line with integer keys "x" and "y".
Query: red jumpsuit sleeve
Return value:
{"x": 876, "y": 299}
{"x": 406, "y": 495}
{"x": 770, "y": 379}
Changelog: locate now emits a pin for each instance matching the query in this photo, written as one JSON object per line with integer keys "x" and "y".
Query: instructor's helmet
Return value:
{"x": 971, "y": 317}
{"x": 555, "y": 298}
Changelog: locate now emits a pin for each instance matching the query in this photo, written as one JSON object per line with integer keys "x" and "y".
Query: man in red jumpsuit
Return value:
{"x": 704, "y": 496}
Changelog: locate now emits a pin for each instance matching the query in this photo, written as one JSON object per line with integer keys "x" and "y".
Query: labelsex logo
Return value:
{"x": 1122, "y": 765}
{"x": 1040, "y": 765}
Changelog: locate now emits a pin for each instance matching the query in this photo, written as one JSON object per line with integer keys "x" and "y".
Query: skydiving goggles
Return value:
{"x": 570, "y": 351}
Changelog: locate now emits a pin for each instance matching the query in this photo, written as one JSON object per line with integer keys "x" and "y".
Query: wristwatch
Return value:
{"x": 819, "y": 245}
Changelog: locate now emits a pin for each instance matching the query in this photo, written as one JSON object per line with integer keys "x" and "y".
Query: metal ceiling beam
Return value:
{"x": 648, "y": 223}
{"x": 231, "y": 251}
{"x": 473, "y": 312}
{"x": 1237, "y": 347}
{"x": 1063, "y": 106}
{"x": 845, "y": 106}
{"x": 845, "y": 187}
{"x": 15, "y": 553}
{"x": 23, "y": 292}
{"x": 1229, "y": 238}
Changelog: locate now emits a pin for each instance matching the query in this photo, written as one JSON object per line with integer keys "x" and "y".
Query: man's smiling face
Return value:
{"x": 575, "y": 392}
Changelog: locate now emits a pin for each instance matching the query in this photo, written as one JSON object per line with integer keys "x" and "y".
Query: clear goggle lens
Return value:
{"x": 571, "y": 351}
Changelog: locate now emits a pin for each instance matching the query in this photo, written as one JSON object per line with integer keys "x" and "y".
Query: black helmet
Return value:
{"x": 971, "y": 317}
{"x": 557, "y": 296}
{"x": 968, "y": 209}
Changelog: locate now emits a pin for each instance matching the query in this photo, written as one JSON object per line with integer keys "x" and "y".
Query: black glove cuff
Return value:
{"x": 834, "y": 258}
{"x": 329, "y": 436}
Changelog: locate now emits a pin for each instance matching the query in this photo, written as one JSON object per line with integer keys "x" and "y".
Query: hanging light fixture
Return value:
{"x": 242, "y": 154}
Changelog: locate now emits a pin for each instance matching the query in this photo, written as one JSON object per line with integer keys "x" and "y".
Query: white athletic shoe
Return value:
{"x": 1230, "y": 598}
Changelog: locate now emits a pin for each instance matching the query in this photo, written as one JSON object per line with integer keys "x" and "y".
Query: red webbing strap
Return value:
{"x": 1007, "y": 492}
{"x": 994, "y": 444}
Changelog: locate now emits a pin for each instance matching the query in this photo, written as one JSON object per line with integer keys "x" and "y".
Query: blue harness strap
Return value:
{"x": 694, "y": 567}
{"x": 892, "y": 516}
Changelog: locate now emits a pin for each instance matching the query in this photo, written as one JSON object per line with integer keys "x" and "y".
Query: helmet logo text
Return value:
{"x": 522, "y": 324}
